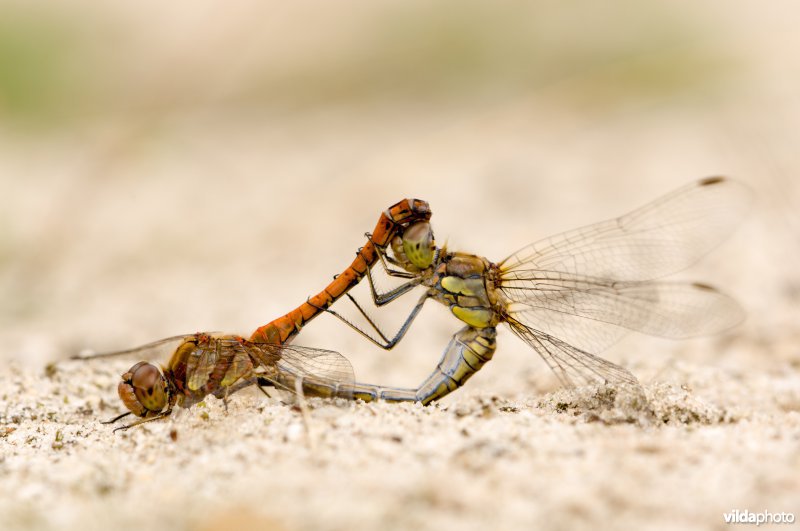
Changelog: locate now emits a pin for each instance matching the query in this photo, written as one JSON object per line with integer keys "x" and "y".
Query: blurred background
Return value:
{"x": 168, "y": 168}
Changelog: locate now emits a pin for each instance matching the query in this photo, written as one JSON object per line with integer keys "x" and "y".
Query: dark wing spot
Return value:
{"x": 711, "y": 180}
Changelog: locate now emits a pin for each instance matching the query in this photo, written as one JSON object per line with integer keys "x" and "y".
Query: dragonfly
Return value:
{"x": 217, "y": 364}
{"x": 220, "y": 364}
{"x": 568, "y": 296}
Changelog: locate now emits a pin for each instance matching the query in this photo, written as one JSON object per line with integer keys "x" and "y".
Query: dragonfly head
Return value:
{"x": 418, "y": 246}
{"x": 144, "y": 390}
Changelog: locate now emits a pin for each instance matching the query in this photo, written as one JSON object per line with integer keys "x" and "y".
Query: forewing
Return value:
{"x": 150, "y": 351}
{"x": 319, "y": 372}
{"x": 573, "y": 366}
{"x": 660, "y": 238}
{"x": 592, "y": 313}
{"x": 201, "y": 362}
{"x": 240, "y": 365}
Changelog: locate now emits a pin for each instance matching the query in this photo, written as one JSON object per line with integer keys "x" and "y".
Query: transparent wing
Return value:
{"x": 202, "y": 360}
{"x": 592, "y": 314}
{"x": 240, "y": 365}
{"x": 589, "y": 286}
{"x": 660, "y": 238}
{"x": 320, "y": 372}
{"x": 156, "y": 349}
{"x": 573, "y": 366}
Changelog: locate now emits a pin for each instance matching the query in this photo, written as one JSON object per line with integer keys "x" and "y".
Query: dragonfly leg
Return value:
{"x": 261, "y": 383}
{"x": 120, "y": 416}
{"x": 384, "y": 258}
{"x": 225, "y": 399}
{"x": 225, "y": 392}
{"x": 384, "y": 342}
{"x": 381, "y": 298}
{"x": 139, "y": 422}
{"x": 228, "y": 390}
{"x": 468, "y": 351}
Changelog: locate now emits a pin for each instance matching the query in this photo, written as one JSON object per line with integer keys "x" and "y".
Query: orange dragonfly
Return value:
{"x": 214, "y": 364}
{"x": 571, "y": 295}
{"x": 217, "y": 364}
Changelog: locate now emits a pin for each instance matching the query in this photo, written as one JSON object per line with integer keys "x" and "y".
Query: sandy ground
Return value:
{"x": 124, "y": 231}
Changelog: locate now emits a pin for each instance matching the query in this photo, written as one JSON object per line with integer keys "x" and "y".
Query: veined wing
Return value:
{"x": 226, "y": 357}
{"x": 660, "y": 238}
{"x": 156, "y": 349}
{"x": 594, "y": 313}
{"x": 573, "y": 366}
{"x": 205, "y": 353}
{"x": 320, "y": 372}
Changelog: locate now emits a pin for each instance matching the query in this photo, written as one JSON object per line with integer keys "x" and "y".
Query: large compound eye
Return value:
{"x": 418, "y": 244}
{"x": 128, "y": 397}
{"x": 147, "y": 385}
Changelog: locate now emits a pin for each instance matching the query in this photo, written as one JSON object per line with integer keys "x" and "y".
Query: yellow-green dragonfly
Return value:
{"x": 571, "y": 295}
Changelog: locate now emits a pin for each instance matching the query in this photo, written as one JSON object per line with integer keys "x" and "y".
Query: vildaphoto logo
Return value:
{"x": 764, "y": 517}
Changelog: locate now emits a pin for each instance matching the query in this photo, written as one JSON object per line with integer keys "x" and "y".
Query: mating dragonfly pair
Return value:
{"x": 568, "y": 297}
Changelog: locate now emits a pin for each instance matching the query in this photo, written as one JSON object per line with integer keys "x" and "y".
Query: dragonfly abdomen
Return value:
{"x": 391, "y": 222}
{"x": 468, "y": 351}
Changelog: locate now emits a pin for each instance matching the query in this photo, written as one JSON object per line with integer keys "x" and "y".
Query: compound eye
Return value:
{"x": 128, "y": 397}
{"x": 149, "y": 386}
{"x": 418, "y": 244}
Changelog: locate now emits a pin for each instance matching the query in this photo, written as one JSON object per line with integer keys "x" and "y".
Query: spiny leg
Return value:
{"x": 383, "y": 257}
{"x": 261, "y": 384}
{"x": 224, "y": 392}
{"x": 379, "y": 299}
{"x": 139, "y": 422}
{"x": 118, "y": 417}
{"x": 386, "y": 343}
{"x": 386, "y": 297}
{"x": 383, "y": 298}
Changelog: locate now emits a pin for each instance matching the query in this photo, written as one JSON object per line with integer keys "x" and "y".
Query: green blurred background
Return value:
{"x": 61, "y": 65}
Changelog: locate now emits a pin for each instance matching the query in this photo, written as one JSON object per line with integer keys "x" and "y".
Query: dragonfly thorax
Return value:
{"x": 460, "y": 283}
